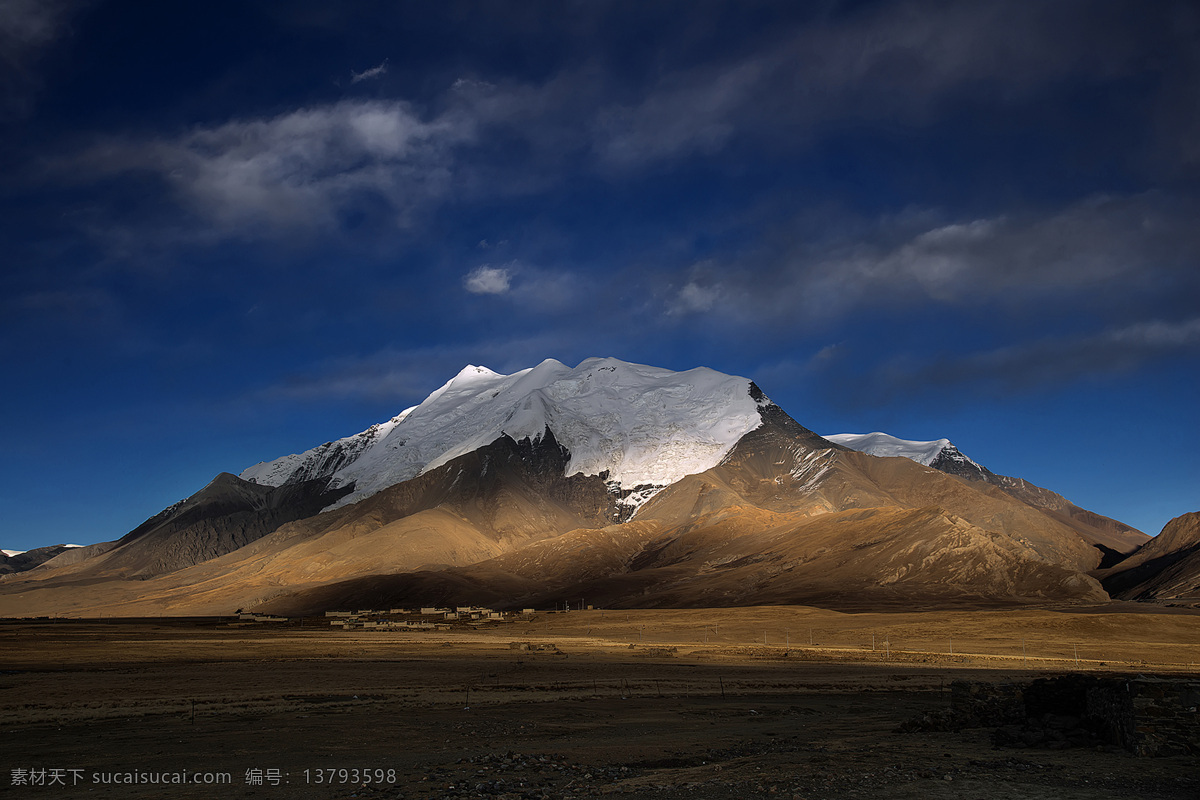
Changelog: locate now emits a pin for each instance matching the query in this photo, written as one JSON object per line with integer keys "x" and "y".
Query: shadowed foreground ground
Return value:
{"x": 634, "y": 704}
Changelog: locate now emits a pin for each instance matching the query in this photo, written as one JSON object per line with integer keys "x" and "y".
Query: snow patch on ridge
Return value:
{"x": 643, "y": 426}
{"x": 885, "y": 446}
{"x": 811, "y": 466}
{"x": 12, "y": 553}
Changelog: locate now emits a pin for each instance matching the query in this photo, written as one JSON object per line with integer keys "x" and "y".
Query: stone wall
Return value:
{"x": 1149, "y": 716}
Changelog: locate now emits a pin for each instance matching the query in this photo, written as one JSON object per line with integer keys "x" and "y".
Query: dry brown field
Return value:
{"x": 777, "y": 702}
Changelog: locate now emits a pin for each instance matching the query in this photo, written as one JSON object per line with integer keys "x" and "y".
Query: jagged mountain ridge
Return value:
{"x": 741, "y": 533}
{"x": 1115, "y": 539}
{"x": 687, "y": 488}
{"x": 225, "y": 515}
{"x": 480, "y": 505}
{"x": 640, "y": 427}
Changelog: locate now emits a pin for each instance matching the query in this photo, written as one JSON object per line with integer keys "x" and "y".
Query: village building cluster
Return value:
{"x": 425, "y": 618}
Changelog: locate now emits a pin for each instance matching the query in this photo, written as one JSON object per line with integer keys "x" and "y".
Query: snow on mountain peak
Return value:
{"x": 470, "y": 370}
{"x": 644, "y": 426}
{"x": 885, "y": 445}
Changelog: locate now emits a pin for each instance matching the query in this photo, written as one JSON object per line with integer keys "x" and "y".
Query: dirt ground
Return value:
{"x": 632, "y": 704}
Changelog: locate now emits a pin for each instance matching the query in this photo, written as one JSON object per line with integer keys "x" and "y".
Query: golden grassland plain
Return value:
{"x": 705, "y": 703}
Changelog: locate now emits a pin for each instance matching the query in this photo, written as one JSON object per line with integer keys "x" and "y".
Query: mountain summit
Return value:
{"x": 627, "y": 484}
{"x": 640, "y": 428}
{"x": 939, "y": 453}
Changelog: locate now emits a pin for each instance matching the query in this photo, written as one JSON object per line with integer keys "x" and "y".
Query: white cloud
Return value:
{"x": 303, "y": 167}
{"x": 367, "y": 74}
{"x": 694, "y": 298}
{"x": 486, "y": 279}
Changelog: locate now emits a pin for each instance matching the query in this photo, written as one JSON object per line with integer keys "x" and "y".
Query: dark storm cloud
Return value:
{"x": 894, "y": 62}
{"x": 1042, "y": 362}
{"x": 492, "y": 132}
{"x": 890, "y": 62}
{"x": 1100, "y": 251}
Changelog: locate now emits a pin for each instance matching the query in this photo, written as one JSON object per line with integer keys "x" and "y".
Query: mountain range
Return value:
{"x": 620, "y": 483}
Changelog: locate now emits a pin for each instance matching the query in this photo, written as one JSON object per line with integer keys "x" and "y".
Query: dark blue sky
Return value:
{"x": 233, "y": 231}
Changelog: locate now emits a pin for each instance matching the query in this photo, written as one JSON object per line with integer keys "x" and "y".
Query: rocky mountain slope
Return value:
{"x": 21, "y": 560}
{"x": 226, "y": 514}
{"x": 630, "y": 485}
{"x": 639, "y": 427}
{"x": 785, "y": 518}
{"x": 1115, "y": 539}
{"x": 1167, "y": 567}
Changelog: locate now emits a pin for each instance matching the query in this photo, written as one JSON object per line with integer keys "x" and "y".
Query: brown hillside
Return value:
{"x": 1167, "y": 567}
{"x": 785, "y": 518}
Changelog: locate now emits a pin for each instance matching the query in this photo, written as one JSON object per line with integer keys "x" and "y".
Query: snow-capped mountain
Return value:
{"x": 1115, "y": 537}
{"x": 940, "y": 454}
{"x": 628, "y": 483}
{"x": 640, "y": 427}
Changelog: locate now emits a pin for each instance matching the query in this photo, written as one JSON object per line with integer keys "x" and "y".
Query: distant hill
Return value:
{"x": 1167, "y": 567}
